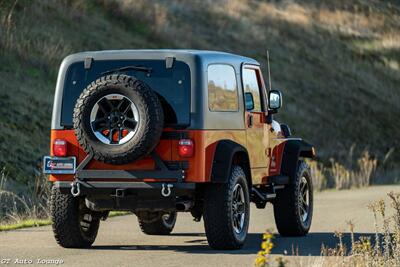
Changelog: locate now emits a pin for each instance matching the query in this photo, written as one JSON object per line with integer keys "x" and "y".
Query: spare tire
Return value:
{"x": 118, "y": 118}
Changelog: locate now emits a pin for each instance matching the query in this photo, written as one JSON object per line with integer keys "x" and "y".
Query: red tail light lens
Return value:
{"x": 60, "y": 148}
{"x": 186, "y": 148}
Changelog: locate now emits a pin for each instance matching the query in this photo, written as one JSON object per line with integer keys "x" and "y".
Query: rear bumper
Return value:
{"x": 130, "y": 196}
{"x": 125, "y": 189}
{"x": 108, "y": 188}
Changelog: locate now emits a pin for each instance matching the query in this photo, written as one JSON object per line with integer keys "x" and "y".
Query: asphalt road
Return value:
{"x": 121, "y": 243}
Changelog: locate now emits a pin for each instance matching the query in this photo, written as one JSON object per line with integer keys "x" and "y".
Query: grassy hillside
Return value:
{"x": 338, "y": 64}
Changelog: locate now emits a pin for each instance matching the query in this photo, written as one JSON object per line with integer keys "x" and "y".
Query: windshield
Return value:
{"x": 172, "y": 85}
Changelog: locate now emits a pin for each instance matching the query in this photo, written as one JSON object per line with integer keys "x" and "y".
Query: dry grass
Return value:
{"x": 360, "y": 177}
{"x": 30, "y": 209}
{"x": 355, "y": 173}
{"x": 32, "y": 205}
{"x": 318, "y": 174}
{"x": 383, "y": 249}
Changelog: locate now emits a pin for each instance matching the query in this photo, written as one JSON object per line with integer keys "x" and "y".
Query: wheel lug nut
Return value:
{"x": 108, "y": 117}
{"x": 122, "y": 117}
{"x": 119, "y": 125}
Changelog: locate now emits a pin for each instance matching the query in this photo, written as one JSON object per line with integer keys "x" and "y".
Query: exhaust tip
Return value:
{"x": 184, "y": 206}
{"x": 180, "y": 207}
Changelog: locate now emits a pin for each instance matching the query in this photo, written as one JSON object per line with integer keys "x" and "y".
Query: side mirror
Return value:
{"x": 249, "y": 101}
{"x": 275, "y": 99}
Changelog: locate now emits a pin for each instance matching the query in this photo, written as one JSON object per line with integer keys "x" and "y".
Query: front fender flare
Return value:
{"x": 293, "y": 151}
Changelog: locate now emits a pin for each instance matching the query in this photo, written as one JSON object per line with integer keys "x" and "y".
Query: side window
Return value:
{"x": 222, "y": 88}
{"x": 251, "y": 85}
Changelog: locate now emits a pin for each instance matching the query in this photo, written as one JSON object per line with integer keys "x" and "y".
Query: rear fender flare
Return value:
{"x": 226, "y": 152}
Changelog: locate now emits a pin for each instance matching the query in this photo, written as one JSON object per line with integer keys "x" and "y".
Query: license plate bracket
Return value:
{"x": 56, "y": 165}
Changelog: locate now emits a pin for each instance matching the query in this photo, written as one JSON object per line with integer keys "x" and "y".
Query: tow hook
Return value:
{"x": 166, "y": 190}
{"x": 75, "y": 189}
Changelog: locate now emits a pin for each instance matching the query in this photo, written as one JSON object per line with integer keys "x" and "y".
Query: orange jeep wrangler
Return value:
{"x": 155, "y": 132}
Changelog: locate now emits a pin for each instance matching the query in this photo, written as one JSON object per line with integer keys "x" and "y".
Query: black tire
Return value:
{"x": 219, "y": 211}
{"x": 161, "y": 226}
{"x": 72, "y": 226}
{"x": 148, "y": 128}
{"x": 289, "y": 216}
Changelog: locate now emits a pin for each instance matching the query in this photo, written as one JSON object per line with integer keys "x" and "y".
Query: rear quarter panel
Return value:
{"x": 199, "y": 165}
{"x": 74, "y": 149}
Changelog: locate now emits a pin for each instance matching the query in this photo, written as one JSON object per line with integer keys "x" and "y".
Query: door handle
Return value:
{"x": 250, "y": 120}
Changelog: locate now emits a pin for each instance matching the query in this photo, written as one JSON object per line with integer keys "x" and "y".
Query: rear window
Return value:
{"x": 172, "y": 85}
{"x": 222, "y": 88}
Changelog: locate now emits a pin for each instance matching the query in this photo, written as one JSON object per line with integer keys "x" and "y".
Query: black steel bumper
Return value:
{"x": 129, "y": 196}
{"x": 126, "y": 188}
{"x": 162, "y": 172}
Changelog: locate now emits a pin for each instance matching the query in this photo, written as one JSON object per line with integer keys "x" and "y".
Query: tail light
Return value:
{"x": 60, "y": 148}
{"x": 186, "y": 148}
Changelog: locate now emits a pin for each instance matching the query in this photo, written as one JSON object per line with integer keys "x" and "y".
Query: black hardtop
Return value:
{"x": 157, "y": 54}
{"x": 196, "y": 60}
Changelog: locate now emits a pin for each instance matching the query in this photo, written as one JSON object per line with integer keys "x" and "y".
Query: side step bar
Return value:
{"x": 261, "y": 195}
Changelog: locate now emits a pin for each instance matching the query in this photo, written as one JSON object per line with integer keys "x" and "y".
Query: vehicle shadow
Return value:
{"x": 197, "y": 245}
{"x": 309, "y": 245}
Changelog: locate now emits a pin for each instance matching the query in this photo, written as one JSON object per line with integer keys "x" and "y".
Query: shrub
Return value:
{"x": 32, "y": 204}
{"x": 384, "y": 250}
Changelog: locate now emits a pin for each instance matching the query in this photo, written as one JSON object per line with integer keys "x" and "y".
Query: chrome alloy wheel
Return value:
{"x": 114, "y": 119}
{"x": 238, "y": 209}
{"x": 304, "y": 199}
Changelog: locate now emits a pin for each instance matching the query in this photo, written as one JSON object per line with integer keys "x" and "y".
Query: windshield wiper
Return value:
{"x": 137, "y": 68}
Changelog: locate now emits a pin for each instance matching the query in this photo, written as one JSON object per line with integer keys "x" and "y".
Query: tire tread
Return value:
{"x": 286, "y": 213}
{"x": 155, "y": 228}
{"x": 64, "y": 210}
{"x": 152, "y": 129}
{"x": 217, "y": 213}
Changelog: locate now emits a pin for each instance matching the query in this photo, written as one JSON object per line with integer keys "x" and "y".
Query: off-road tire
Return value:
{"x": 150, "y": 125}
{"x": 286, "y": 205}
{"x": 218, "y": 220}
{"x": 66, "y": 222}
{"x": 159, "y": 226}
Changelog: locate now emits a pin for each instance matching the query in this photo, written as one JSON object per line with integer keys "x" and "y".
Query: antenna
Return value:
{"x": 269, "y": 72}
